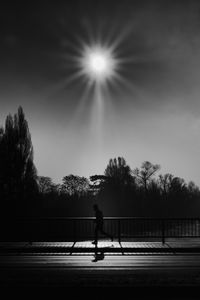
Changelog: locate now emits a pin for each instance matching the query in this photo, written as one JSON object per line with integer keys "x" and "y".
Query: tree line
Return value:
{"x": 121, "y": 190}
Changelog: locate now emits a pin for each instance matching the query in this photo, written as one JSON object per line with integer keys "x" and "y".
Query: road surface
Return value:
{"x": 49, "y": 265}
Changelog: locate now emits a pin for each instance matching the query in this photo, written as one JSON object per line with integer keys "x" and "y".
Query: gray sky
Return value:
{"x": 153, "y": 115}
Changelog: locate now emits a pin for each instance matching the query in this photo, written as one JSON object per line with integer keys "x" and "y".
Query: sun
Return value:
{"x": 98, "y": 63}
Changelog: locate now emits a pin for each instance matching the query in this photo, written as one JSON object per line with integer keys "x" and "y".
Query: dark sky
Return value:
{"x": 154, "y": 114}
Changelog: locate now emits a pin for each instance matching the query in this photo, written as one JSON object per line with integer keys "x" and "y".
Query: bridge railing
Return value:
{"x": 82, "y": 228}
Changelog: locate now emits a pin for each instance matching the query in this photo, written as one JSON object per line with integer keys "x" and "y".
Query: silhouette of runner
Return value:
{"x": 99, "y": 225}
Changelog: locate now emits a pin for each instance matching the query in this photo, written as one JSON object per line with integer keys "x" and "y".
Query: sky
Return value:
{"x": 150, "y": 111}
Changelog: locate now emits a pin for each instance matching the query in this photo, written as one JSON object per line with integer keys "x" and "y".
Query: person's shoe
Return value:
{"x": 94, "y": 242}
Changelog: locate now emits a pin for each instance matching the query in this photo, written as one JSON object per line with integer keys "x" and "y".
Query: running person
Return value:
{"x": 99, "y": 224}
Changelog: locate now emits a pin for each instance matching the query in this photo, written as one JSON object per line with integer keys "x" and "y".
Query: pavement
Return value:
{"x": 183, "y": 245}
{"x": 131, "y": 264}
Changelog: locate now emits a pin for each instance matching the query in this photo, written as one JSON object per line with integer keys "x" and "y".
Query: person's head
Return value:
{"x": 95, "y": 206}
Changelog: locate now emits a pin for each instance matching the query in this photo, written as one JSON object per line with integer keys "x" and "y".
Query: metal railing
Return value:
{"x": 82, "y": 228}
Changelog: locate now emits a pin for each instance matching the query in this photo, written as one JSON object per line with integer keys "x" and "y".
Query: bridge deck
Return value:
{"x": 51, "y": 264}
{"x": 171, "y": 245}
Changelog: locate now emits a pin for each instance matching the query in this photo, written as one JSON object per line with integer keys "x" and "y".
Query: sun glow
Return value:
{"x": 98, "y": 64}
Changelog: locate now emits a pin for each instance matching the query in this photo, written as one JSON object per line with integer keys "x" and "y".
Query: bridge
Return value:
{"x": 144, "y": 253}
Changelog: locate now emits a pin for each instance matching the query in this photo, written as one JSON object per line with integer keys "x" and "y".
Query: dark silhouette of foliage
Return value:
{"x": 18, "y": 174}
{"x": 72, "y": 185}
{"x": 165, "y": 183}
{"x": 114, "y": 187}
{"x": 95, "y": 178}
{"x": 145, "y": 174}
{"x": 193, "y": 189}
{"x": 46, "y": 185}
{"x": 118, "y": 175}
{"x": 98, "y": 183}
{"x": 120, "y": 190}
{"x": 118, "y": 170}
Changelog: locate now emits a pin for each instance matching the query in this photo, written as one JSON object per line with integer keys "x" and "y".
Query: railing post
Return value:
{"x": 163, "y": 231}
{"x": 75, "y": 231}
{"x": 119, "y": 231}
{"x": 198, "y": 228}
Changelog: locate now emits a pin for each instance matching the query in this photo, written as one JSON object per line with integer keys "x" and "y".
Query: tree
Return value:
{"x": 46, "y": 185}
{"x": 145, "y": 174}
{"x": 2, "y": 164}
{"x": 165, "y": 182}
{"x": 173, "y": 186}
{"x": 118, "y": 171}
{"x": 18, "y": 174}
{"x": 178, "y": 186}
{"x": 193, "y": 189}
{"x": 74, "y": 185}
{"x": 117, "y": 182}
{"x": 98, "y": 183}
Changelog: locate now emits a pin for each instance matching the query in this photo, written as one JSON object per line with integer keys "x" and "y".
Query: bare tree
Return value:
{"x": 145, "y": 174}
{"x": 165, "y": 182}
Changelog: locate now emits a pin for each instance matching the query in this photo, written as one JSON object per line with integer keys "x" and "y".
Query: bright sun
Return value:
{"x": 98, "y": 63}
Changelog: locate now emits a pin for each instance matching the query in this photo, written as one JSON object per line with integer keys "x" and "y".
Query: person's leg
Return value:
{"x": 96, "y": 234}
